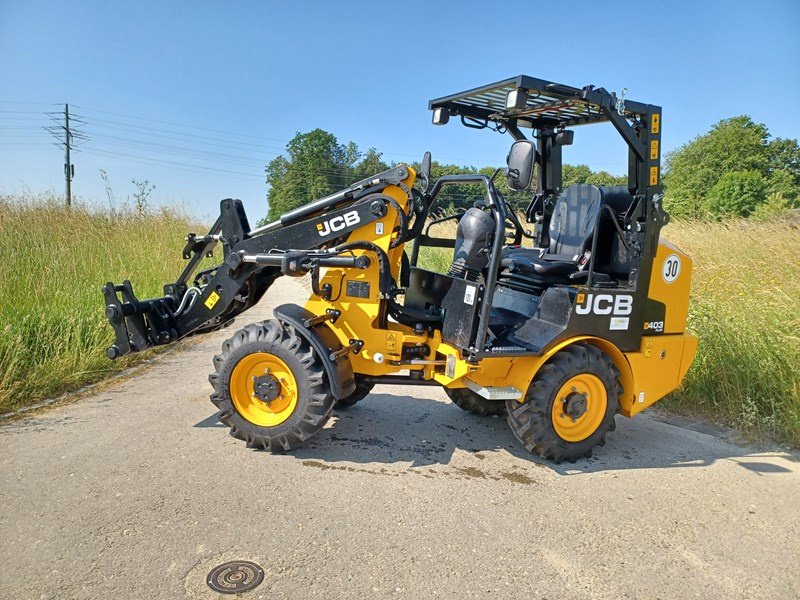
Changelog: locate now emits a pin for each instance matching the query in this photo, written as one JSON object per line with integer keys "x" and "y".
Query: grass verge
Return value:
{"x": 746, "y": 311}
{"x": 53, "y": 331}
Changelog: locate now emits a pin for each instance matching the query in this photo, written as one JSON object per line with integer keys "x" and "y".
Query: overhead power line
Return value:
{"x": 177, "y": 145}
{"x": 232, "y": 134}
{"x": 170, "y": 162}
{"x": 172, "y": 124}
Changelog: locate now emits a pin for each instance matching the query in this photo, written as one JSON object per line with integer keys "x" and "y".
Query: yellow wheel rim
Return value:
{"x": 242, "y": 388}
{"x": 579, "y": 407}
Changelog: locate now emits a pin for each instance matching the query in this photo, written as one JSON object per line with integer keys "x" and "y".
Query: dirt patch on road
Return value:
{"x": 469, "y": 472}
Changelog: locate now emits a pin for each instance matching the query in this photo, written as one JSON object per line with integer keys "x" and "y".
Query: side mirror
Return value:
{"x": 440, "y": 116}
{"x": 520, "y": 162}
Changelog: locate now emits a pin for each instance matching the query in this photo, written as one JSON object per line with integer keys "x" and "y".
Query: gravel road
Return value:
{"x": 136, "y": 491}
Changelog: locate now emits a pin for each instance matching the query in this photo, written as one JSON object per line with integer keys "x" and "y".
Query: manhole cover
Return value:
{"x": 235, "y": 576}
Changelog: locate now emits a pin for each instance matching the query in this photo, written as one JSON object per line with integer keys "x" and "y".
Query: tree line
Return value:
{"x": 735, "y": 170}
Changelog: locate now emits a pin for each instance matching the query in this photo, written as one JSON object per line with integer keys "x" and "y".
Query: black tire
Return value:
{"x": 362, "y": 391}
{"x": 531, "y": 421}
{"x": 314, "y": 400}
{"x": 467, "y": 400}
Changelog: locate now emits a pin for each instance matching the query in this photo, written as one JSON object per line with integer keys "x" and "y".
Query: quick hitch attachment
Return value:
{"x": 138, "y": 324}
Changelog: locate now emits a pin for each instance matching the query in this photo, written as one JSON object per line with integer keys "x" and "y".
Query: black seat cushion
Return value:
{"x": 528, "y": 260}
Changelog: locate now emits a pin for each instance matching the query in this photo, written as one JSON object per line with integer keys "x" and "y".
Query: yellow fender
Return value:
{"x": 646, "y": 376}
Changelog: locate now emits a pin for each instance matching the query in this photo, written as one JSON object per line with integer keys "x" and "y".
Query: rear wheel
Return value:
{"x": 471, "y": 402}
{"x": 362, "y": 391}
{"x": 270, "y": 387}
{"x": 570, "y": 405}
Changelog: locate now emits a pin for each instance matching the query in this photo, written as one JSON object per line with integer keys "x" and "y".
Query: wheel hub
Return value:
{"x": 263, "y": 389}
{"x": 579, "y": 407}
{"x": 266, "y": 388}
{"x": 575, "y": 405}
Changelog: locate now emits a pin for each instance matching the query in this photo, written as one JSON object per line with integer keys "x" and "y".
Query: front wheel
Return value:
{"x": 570, "y": 405}
{"x": 270, "y": 387}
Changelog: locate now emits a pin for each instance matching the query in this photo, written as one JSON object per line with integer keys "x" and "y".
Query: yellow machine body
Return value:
{"x": 646, "y": 375}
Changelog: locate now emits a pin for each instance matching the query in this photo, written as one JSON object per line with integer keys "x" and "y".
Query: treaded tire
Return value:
{"x": 467, "y": 400}
{"x": 531, "y": 421}
{"x": 362, "y": 391}
{"x": 314, "y": 400}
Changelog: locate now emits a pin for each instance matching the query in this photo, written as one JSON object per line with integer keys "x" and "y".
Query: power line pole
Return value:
{"x": 70, "y": 134}
{"x": 69, "y": 168}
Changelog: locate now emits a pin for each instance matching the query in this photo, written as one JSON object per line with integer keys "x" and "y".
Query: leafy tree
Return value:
{"x": 784, "y": 155}
{"x": 733, "y": 145}
{"x": 607, "y": 179}
{"x": 572, "y": 174}
{"x": 370, "y": 164}
{"x": 784, "y": 183}
{"x": 463, "y": 195}
{"x": 454, "y": 196}
{"x": 317, "y": 166}
{"x": 738, "y": 194}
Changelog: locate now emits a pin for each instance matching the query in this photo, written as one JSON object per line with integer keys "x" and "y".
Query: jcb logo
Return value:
{"x": 338, "y": 223}
{"x": 604, "y": 304}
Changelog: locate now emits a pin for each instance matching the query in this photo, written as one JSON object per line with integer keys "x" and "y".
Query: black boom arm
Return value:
{"x": 299, "y": 242}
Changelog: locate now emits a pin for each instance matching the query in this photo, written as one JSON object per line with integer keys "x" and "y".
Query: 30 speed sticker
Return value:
{"x": 671, "y": 268}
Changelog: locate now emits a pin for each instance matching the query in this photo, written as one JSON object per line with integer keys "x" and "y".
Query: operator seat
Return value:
{"x": 575, "y": 216}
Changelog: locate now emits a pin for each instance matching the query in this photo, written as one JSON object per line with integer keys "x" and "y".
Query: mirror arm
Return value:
{"x": 511, "y": 127}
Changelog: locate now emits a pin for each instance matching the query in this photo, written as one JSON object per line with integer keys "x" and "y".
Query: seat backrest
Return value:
{"x": 575, "y": 216}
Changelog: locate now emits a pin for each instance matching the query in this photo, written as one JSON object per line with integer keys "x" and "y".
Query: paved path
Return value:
{"x": 137, "y": 492}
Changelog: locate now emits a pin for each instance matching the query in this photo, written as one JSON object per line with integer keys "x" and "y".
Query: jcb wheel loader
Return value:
{"x": 562, "y": 325}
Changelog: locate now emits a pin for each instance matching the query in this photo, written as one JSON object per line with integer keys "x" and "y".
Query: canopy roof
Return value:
{"x": 541, "y": 104}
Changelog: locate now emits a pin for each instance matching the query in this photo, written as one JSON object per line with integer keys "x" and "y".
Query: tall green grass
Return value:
{"x": 745, "y": 309}
{"x": 53, "y": 331}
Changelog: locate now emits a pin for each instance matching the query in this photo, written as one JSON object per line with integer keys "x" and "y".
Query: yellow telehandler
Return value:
{"x": 560, "y": 325}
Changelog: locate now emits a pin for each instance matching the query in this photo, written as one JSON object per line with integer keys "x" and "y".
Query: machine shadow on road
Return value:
{"x": 389, "y": 429}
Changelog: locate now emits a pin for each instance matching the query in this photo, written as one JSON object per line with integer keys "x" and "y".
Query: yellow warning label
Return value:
{"x": 211, "y": 300}
{"x": 580, "y": 298}
{"x": 654, "y": 150}
{"x": 391, "y": 341}
{"x": 655, "y": 123}
{"x": 653, "y": 175}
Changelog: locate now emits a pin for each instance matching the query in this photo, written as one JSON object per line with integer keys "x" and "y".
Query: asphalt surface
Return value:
{"x": 136, "y": 491}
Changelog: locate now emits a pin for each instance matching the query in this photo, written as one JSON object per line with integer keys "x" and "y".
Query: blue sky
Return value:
{"x": 153, "y": 79}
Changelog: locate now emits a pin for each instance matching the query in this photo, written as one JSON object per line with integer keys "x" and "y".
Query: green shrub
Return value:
{"x": 775, "y": 206}
{"x": 737, "y": 194}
